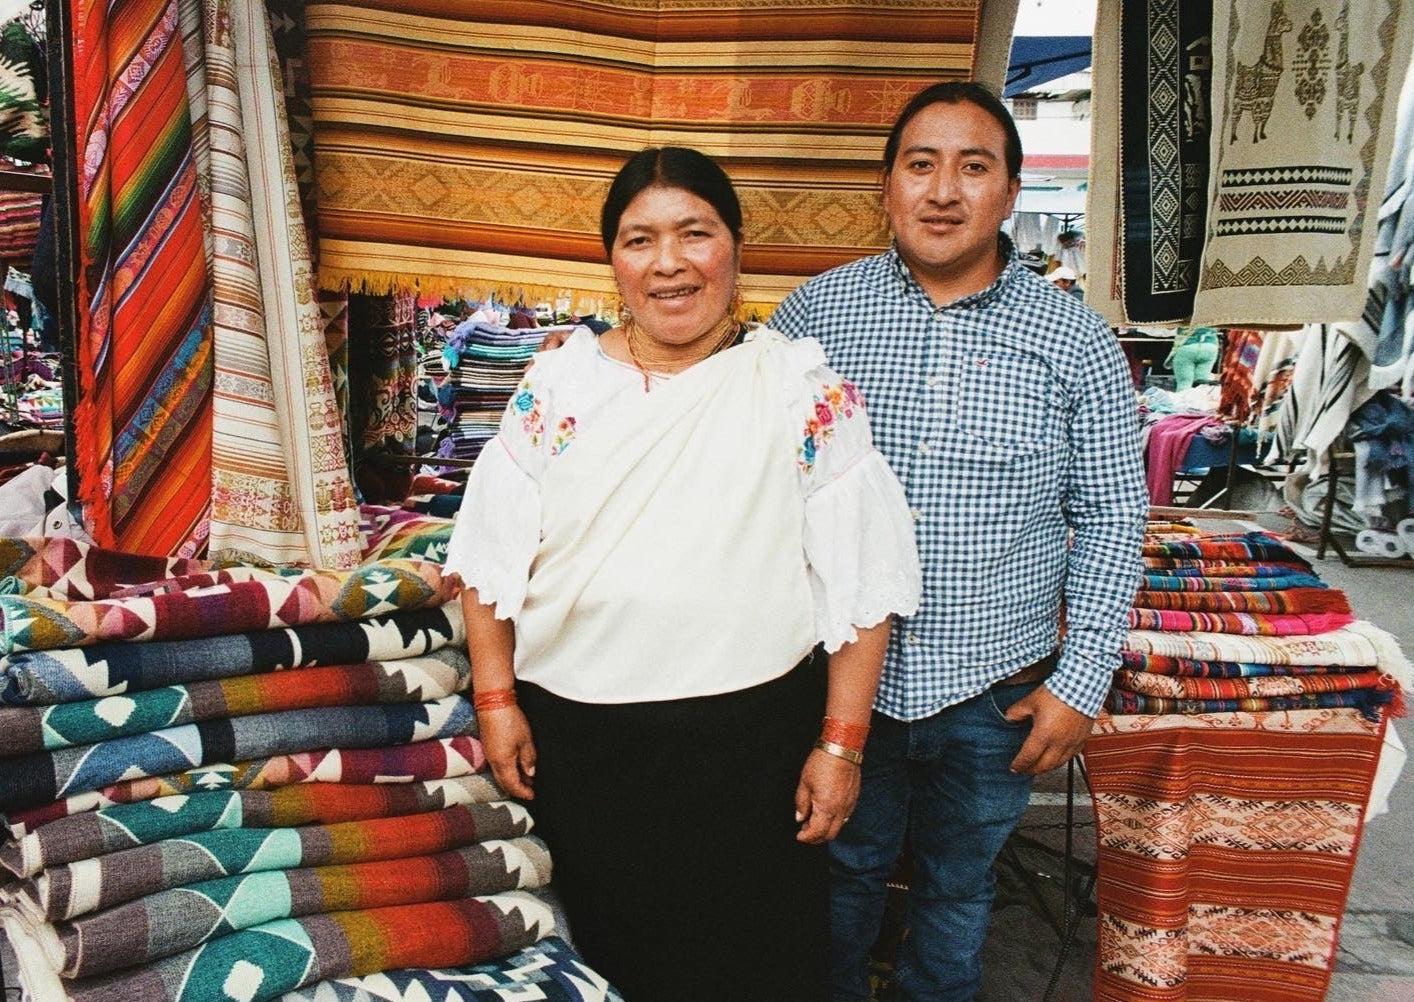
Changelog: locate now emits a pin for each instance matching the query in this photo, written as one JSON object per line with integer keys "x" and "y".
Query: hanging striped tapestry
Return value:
{"x": 465, "y": 146}
{"x": 143, "y": 420}
{"x": 281, "y": 492}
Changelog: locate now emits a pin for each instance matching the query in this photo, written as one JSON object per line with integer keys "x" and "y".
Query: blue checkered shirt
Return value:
{"x": 1009, "y": 416}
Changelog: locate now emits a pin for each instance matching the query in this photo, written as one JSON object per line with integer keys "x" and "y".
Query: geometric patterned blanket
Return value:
{"x": 171, "y": 921}
{"x": 397, "y": 532}
{"x": 40, "y": 728}
{"x": 1226, "y": 848}
{"x": 124, "y": 826}
{"x": 422, "y": 760}
{"x": 42, "y": 777}
{"x": 86, "y": 886}
{"x": 80, "y": 673}
{"x": 263, "y": 601}
{"x": 549, "y": 971}
{"x": 262, "y": 963}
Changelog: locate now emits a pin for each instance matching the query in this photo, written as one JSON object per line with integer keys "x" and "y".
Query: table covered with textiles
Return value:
{"x": 255, "y": 784}
{"x": 1232, "y": 772}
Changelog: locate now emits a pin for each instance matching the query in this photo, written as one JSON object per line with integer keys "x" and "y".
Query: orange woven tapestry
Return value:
{"x": 1227, "y": 842}
{"x": 465, "y": 146}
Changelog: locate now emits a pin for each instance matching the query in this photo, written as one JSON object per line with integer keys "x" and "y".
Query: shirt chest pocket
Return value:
{"x": 1004, "y": 400}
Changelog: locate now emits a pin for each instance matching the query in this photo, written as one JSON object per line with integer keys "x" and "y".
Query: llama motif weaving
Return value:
{"x": 1304, "y": 100}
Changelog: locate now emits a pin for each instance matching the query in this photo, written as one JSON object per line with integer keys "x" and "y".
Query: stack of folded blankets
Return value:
{"x": 1226, "y": 623}
{"x": 475, "y": 374}
{"x": 252, "y": 784}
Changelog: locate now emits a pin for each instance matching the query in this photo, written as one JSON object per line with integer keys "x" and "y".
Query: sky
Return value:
{"x": 1055, "y": 17}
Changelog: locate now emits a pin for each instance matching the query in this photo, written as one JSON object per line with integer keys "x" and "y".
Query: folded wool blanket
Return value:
{"x": 73, "y": 889}
{"x": 398, "y": 533}
{"x": 169, "y": 922}
{"x": 32, "y": 780}
{"x": 260, "y": 964}
{"x": 1256, "y": 687}
{"x": 434, "y": 676}
{"x": 71, "y": 674}
{"x": 422, "y": 760}
{"x": 1289, "y": 601}
{"x": 1193, "y": 579}
{"x": 124, "y": 826}
{"x": 1171, "y": 529}
{"x": 1245, "y": 623}
{"x": 82, "y": 570}
{"x": 1368, "y": 701}
{"x": 1358, "y": 644}
{"x": 1165, "y": 664}
{"x": 1259, "y": 546}
{"x": 549, "y": 971}
{"x": 32, "y": 622}
{"x": 1225, "y": 568}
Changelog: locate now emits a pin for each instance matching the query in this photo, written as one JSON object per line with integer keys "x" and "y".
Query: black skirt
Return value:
{"x": 672, "y": 829}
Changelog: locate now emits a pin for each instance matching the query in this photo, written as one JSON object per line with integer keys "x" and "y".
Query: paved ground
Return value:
{"x": 1375, "y": 962}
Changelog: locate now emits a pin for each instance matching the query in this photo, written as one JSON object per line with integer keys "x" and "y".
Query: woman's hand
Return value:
{"x": 828, "y": 789}
{"x": 505, "y": 738}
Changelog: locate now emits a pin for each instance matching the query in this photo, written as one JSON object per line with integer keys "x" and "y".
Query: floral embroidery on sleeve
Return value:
{"x": 830, "y": 402}
{"x": 564, "y": 435}
{"x": 532, "y": 415}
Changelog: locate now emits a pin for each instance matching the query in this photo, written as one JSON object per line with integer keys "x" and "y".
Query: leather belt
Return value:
{"x": 1037, "y": 671}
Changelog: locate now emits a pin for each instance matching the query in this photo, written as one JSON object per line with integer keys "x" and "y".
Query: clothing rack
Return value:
{"x": 1328, "y": 536}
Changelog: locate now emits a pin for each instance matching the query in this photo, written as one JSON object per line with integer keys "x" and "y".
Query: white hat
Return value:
{"x": 1062, "y": 272}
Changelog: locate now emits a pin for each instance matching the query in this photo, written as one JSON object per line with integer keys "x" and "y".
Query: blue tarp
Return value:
{"x": 1039, "y": 59}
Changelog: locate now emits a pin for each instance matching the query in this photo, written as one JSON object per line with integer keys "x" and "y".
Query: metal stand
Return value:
{"x": 1328, "y": 537}
{"x": 1077, "y": 880}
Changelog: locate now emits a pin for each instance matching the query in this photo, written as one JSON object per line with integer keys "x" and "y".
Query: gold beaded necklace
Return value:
{"x": 717, "y": 337}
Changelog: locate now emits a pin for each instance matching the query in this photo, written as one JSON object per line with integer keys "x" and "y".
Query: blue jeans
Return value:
{"x": 943, "y": 781}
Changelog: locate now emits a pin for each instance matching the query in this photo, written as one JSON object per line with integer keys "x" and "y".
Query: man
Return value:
{"x": 1008, "y": 414}
{"x": 1066, "y": 280}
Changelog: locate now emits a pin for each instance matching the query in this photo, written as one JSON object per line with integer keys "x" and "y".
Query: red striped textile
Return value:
{"x": 1227, "y": 843}
{"x": 143, "y": 418}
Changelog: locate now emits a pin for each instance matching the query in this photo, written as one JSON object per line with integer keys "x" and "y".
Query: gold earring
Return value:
{"x": 736, "y": 305}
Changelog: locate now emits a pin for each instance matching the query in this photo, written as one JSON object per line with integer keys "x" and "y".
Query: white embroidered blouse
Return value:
{"x": 855, "y": 528}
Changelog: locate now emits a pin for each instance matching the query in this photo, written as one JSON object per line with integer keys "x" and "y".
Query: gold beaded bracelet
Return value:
{"x": 840, "y": 751}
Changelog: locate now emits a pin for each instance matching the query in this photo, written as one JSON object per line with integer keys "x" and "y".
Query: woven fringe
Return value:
{"x": 435, "y": 288}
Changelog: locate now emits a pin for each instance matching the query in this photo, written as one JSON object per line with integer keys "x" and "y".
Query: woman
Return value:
{"x": 670, "y": 519}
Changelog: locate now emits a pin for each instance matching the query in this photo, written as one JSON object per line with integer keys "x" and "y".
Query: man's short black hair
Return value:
{"x": 956, "y": 92}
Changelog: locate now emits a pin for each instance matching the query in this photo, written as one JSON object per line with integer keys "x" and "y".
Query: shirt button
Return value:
{"x": 932, "y": 380}
{"x": 912, "y": 638}
{"x": 916, "y": 513}
{"x": 923, "y": 448}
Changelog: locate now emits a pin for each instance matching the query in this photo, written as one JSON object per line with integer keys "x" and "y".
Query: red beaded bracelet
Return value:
{"x": 844, "y": 733}
{"x": 493, "y": 699}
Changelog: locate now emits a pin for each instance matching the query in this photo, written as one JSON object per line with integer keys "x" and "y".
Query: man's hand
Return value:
{"x": 505, "y": 738}
{"x": 1057, "y": 732}
{"x": 828, "y": 788}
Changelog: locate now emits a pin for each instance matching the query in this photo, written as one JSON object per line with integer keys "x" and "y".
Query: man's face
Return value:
{"x": 946, "y": 197}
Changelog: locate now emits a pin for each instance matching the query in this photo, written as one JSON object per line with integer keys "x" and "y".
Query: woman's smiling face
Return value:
{"x": 675, "y": 262}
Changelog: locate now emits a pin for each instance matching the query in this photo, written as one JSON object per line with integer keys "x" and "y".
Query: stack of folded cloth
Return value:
{"x": 402, "y": 533}
{"x": 475, "y": 374}
{"x": 240, "y": 783}
{"x": 1226, "y": 623}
